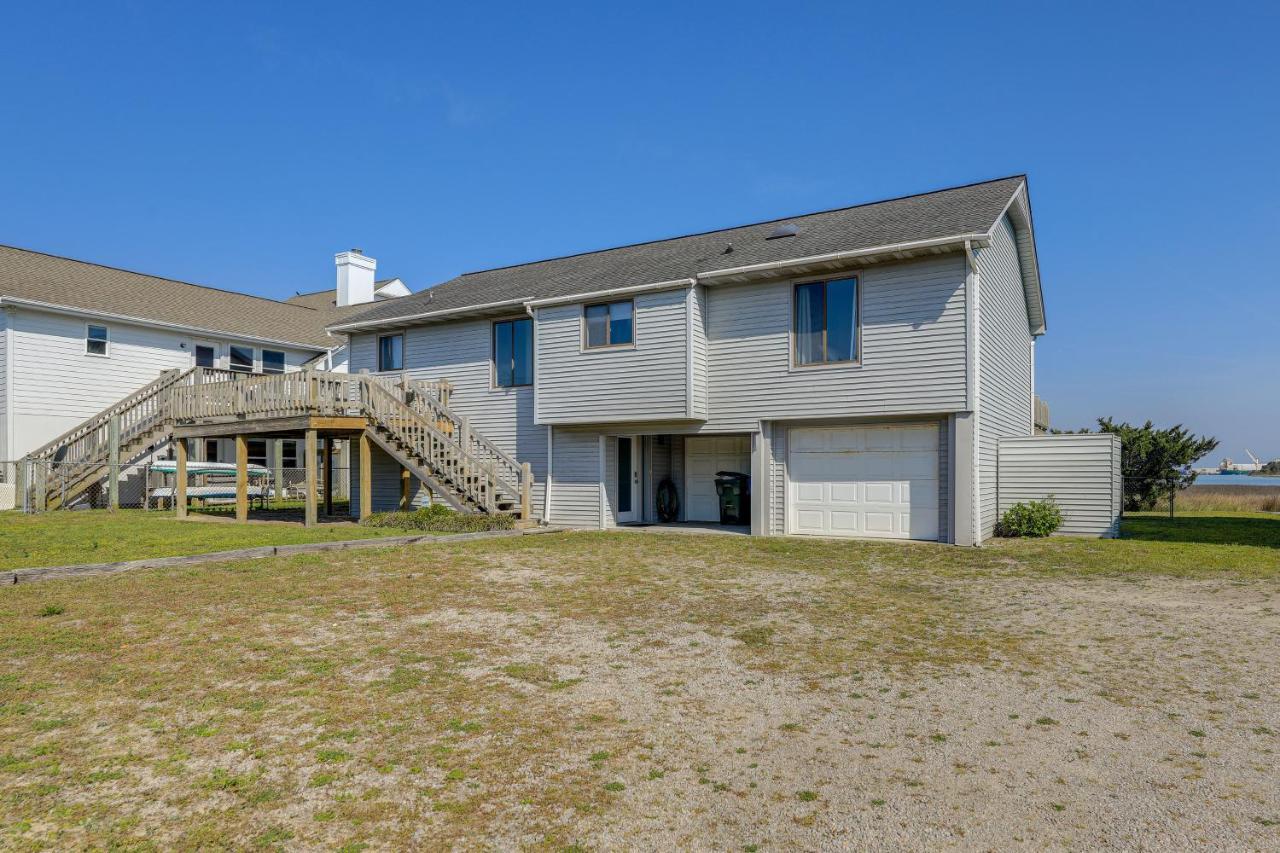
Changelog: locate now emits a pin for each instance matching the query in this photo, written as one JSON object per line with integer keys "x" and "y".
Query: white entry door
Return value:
{"x": 703, "y": 457}
{"x": 629, "y": 499}
{"x": 874, "y": 481}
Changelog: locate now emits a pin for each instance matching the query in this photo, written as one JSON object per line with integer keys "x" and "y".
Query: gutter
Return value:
{"x": 851, "y": 254}
{"x": 158, "y": 324}
{"x": 405, "y": 319}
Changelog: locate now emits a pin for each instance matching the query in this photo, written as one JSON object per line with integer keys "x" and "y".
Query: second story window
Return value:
{"x": 390, "y": 352}
{"x": 513, "y": 353}
{"x": 241, "y": 359}
{"x": 206, "y": 356}
{"x": 610, "y": 325}
{"x": 95, "y": 340}
{"x": 826, "y": 322}
{"x": 272, "y": 361}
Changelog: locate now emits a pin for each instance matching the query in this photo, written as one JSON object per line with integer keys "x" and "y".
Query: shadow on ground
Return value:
{"x": 1212, "y": 530}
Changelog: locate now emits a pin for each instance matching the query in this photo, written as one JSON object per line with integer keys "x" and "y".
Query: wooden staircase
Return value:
{"x": 409, "y": 419}
{"x": 80, "y": 461}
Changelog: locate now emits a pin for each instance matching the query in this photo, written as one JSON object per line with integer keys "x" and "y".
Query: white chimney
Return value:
{"x": 355, "y": 277}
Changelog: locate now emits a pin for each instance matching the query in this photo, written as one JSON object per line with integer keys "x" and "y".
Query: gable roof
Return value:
{"x": 928, "y": 219}
{"x": 49, "y": 280}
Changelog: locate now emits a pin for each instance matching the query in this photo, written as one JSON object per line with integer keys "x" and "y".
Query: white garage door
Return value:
{"x": 876, "y": 481}
{"x": 703, "y": 458}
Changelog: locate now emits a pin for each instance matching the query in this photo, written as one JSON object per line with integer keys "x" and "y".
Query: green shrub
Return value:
{"x": 1033, "y": 519}
{"x": 438, "y": 518}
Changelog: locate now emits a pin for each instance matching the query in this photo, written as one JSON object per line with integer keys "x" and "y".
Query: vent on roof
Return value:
{"x": 784, "y": 230}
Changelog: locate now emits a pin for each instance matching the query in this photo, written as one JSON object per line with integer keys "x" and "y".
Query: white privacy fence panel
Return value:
{"x": 1080, "y": 472}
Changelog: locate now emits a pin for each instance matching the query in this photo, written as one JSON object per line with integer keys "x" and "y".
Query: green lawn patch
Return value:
{"x": 101, "y": 536}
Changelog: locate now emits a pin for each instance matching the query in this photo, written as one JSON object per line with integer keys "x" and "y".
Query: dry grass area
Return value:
{"x": 609, "y": 691}
{"x": 1251, "y": 498}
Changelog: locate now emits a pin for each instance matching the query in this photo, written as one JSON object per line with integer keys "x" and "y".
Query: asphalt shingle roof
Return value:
{"x": 35, "y": 276}
{"x": 943, "y": 213}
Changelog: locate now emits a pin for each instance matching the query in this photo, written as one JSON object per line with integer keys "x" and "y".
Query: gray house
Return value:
{"x": 861, "y": 365}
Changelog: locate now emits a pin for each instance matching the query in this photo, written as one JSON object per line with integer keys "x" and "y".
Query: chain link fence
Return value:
{"x": 44, "y": 486}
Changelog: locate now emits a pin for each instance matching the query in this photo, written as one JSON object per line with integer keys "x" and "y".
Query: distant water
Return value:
{"x": 1236, "y": 480}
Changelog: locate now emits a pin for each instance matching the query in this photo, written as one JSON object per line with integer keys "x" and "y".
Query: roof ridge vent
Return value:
{"x": 784, "y": 229}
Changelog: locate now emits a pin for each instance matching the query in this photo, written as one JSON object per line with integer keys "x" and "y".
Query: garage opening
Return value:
{"x": 878, "y": 481}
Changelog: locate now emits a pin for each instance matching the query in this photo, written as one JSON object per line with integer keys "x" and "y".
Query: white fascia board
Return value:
{"x": 957, "y": 240}
{"x": 1031, "y": 278}
{"x": 52, "y": 308}
{"x": 410, "y": 319}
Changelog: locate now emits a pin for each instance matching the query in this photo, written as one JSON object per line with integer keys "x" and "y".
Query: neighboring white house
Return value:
{"x": 75, "y": 337}
{"x": 861, "y": 365}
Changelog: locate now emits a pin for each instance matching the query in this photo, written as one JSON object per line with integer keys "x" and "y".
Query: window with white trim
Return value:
{"x": 241, "y": 359}
{"x": 272, "y": 361}
{"x": 611, "y": 324}
{"x": 96, "y": 339}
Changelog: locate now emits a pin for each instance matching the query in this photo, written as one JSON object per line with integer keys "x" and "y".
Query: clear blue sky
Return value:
{"x": 242, "y": 146}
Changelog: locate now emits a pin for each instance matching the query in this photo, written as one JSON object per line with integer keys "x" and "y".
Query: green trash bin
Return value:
{"x": 734, "y": 490}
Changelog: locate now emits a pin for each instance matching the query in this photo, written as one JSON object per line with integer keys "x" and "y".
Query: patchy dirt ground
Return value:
{"x": 614, "y": 691}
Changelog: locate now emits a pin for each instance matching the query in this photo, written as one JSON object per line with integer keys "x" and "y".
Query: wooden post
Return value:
{"x": 277, "y": 468}
{"x": 180, "y": 480}
{"x": 113, "y": 461}
{"x": 242, "y": 478}
{"x": 526, "y": 500}
{"x": 366, "y": 476}
{"x": 309, "y": 502}
{"x": 328, "y": 475}
{"x": 405, "y": 480}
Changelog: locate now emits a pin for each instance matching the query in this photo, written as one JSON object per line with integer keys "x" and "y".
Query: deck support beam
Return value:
{"x": 406, "y": 478}
{"x": 526, "y": 483}
{"x": 328, "y": 475}
{"x": 366, "y": 476}
{"x": 242, "y": 478}
{"x": 309, "y": 500}
{"x": 277, "y": 470}
{"x": 180, "y": 479}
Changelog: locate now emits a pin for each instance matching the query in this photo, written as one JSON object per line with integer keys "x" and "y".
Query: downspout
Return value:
{"x": 974, "y": 385}
{"x": 9, "y": 414}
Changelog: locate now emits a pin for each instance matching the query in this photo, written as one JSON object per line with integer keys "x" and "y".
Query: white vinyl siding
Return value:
{"x": 56, "y": 387}
{"x": 1080, "y": 472}
{"x": 645, "y": 381}
{"x": 913, "y": 349}
{"x": 778, "y": 479}
{"x": 575, "y": 474}
{"x": 461, "y": 352}
{"x": 698, "y": 327}
{"x": 1004, "y": 360}
{"x": 6, "y": 454}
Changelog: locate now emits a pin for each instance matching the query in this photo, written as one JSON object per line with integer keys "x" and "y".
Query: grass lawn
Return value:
{"x": 100, "y": 536}
{"x": 614, "y": 690}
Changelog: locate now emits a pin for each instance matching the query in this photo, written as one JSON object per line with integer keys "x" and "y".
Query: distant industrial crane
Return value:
{"x": 1254, "y": 459}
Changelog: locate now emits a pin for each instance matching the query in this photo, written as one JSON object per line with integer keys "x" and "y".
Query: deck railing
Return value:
{"x": 415, "y": 412}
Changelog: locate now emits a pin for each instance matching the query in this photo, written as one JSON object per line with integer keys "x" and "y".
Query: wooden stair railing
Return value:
{"x": 410, "y": 419}
{"x": 64, "y": 468}
{"x": 414, "y": 436}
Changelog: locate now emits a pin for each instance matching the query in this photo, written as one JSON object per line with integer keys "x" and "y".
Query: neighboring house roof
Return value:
{"x": 930, "y": 219}
{"x": 327, "y": 299}
{"x": 48, "y": 280}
